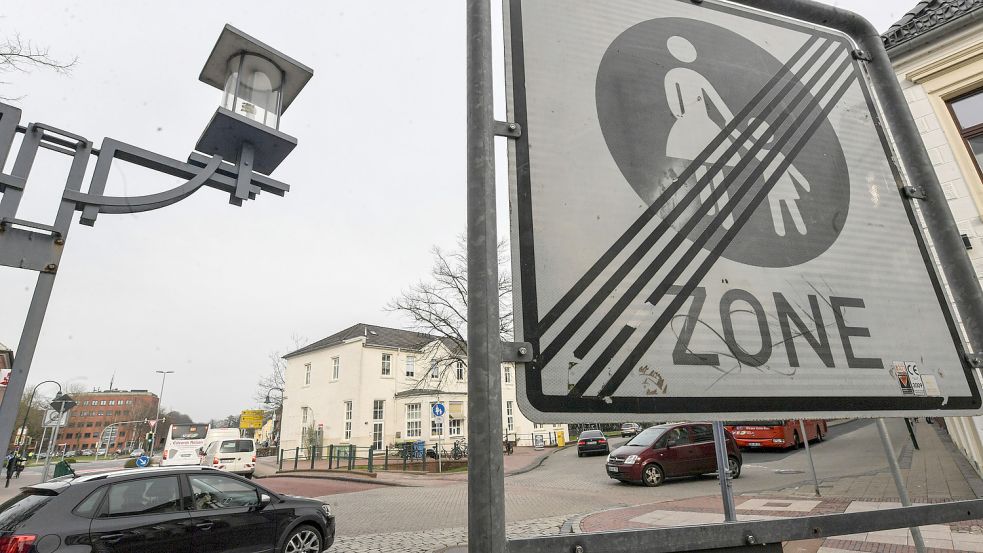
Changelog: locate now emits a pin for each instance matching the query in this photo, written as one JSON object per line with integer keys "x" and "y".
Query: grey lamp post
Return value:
{"x": 30, "y": 402}
{"x": 160, "y": 399}
{"x": 258, "y": 85}
{"x": 267, "y": 402}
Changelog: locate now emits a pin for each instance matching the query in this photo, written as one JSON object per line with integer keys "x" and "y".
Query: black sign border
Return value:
{"x": 552, "y": 405}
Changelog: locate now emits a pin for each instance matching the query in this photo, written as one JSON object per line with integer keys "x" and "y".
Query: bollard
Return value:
{"x": 279, "y": 460}
{"x": 330, "y": 456}
{"x": 405, "y": 455}
{"x": 351, "y": 457}
{"x": 296, "y": 456}
{"x": 371, "y": 458}
{"x": 385, "y": 463}
{"x": 424, "y": 457}
{"x": 312, "y": 457}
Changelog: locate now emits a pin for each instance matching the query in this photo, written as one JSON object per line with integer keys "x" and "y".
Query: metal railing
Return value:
{"x": 419, "y": 456}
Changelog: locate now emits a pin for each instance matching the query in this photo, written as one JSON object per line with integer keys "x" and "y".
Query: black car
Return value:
{"x": 592, "y": 441}
{"x": 162, "y": 510}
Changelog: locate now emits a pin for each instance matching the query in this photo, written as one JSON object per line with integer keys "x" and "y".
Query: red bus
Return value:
{"x": 776, "y": 434}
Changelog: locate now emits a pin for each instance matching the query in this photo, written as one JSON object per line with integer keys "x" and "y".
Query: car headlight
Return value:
{"x": 631, "y": 459}
{"x": 326, "y": 509}
{"x": 778, "y": 440}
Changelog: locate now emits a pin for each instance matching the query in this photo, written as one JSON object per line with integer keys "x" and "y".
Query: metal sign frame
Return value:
{"x": 872, "y": 70}
{"x": 486, "y": 490}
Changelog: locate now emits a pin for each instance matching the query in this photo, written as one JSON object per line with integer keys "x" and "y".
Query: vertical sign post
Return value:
{"x": 486, "y": 471}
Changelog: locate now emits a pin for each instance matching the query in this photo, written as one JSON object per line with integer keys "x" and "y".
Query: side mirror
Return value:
{"x": 264, "y": 500}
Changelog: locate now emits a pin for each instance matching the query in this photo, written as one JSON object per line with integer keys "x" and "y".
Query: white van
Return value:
{"x": 232, "y": 455}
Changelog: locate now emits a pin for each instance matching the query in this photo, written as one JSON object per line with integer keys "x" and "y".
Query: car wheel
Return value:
{"x": 797, "y": 440}
{"x": 735, "y": 467}
{"x": 652, "y": 475}
{"x": 580, "y": 454}
{"x": 303, "y": 539}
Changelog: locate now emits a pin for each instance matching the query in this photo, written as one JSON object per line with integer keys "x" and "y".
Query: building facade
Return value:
{"x": 937, "y": 54}
{"x": 111, "y": 419}
{"x": 375, "y": 386}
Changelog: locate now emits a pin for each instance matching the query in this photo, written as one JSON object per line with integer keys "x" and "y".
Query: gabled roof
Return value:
{"x": 927, "y": 16}
{"x": 379, "y": 336}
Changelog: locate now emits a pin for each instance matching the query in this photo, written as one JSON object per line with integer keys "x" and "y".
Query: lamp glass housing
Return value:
{"x": 254, "y": 89}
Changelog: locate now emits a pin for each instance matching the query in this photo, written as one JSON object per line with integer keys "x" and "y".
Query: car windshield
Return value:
{"x": 188, "y": 431}
{"x": 648, "y": 436}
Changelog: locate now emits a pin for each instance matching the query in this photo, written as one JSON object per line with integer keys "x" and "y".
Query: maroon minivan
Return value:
{"x": 667, "y": 450}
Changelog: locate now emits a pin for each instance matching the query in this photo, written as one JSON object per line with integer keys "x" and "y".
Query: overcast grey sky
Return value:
{"x": 209, "y": 290}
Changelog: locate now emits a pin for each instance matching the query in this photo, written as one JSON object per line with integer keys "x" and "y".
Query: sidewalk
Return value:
{"x": 522, "y": 460}
{"x": 936, "y": 473}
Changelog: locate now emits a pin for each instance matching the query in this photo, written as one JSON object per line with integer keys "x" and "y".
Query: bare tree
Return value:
{"x": 19, "y": 55}
{"x": 438, "y": 305}
{"x": 276, "y": 378}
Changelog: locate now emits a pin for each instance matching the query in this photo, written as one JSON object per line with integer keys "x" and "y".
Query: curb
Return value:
{"x": 535, "y": 464}
{"x": 333, "y": 477}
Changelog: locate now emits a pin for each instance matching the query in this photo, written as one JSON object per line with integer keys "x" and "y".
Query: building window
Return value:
{"x": 434, "y": 371}
{"x": 413, "y": 416}
{"x": 387, "y": 364}
{"x": 348, "y": 420}
{"x": 508, "y": 374}
{"x": 378, "y": 412}
{"x": 307, "y": 373}
{"x": 456, "y": 427}
{"x": 436, "y": 424}
{"x": 102, "y": 402}
{"x": 129, "y": 402}
{"x": 410, "y": 365}
{"x": 459, "y": 367}
{"x": 303, "y": 415}
{"x": 112, "y": 402}
{"x": 86, "y": 402}
{"x": 335, "y": 368}
{"x": 509, "y": 419}
{"x": 967, "y": 111}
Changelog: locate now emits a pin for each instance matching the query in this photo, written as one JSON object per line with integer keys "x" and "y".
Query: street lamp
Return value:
{"x": 30, "y": 402}
{"x": 267, "y": 402}
{"x": 238, "y": 149}
{"x": 160, "y": 399}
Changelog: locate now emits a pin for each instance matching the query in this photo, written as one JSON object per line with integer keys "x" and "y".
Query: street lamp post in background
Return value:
{"x": 30, "y": 403}
{"x": 258, "y": 85}
{"x": 160, "y": 405}
{"x": 267, "y": 402}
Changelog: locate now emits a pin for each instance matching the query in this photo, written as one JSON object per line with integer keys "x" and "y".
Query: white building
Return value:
{"x": 372, "y": 385}
{"x": 937, "y": 53}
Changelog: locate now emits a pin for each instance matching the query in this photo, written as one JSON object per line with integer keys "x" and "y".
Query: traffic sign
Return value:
{"x": 708, "y": 223}
{"x": 143, "y": 461}
{"x": 53, "y": 418}
{"x": 251, "y": 418}
{"x": 438, "y": 409}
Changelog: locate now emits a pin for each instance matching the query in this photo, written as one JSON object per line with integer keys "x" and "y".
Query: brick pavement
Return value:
{"x": 935, "y": 473}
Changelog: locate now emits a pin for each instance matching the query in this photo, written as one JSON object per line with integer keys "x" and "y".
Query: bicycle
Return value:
{"x": 459, "y": 450}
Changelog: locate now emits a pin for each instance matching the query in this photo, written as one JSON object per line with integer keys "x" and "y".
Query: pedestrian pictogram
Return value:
{"x": 708, "y": 222}
{"x": 438, "y": 410}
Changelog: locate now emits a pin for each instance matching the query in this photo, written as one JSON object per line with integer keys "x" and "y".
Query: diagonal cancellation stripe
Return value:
{"x": 567, "y": 300}
{"x": 602, "y": 326}
{"x": 605, "y": 291}
{"x": 653, "y": 333}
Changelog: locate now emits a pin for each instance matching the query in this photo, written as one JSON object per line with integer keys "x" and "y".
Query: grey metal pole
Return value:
{"x": 160, "y": 399}
{"x": 51, "y": 448}
{"x": 486, "y": 470}
{"x": 892, "y": 462}
{"x": 23, "y": 356}
{"x": 812, "y": 465}
{"x": 723, "y": 471}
